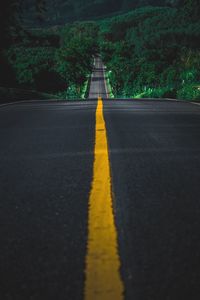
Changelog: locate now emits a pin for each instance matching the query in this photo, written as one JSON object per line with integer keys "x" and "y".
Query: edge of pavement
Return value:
{"x": 46, "y": 101}
{"x": 81, "y": 100}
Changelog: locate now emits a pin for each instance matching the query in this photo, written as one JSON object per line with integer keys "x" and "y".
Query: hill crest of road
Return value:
{"x": 98, "y": 86}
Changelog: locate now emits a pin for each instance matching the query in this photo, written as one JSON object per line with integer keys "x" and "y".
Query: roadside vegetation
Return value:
{"x": 154, "y": 52}
{"x": 149, "y": 52}
{"x": 56, "y": 61}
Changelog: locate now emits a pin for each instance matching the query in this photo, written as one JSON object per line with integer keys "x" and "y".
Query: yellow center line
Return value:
{"x": 103, "y": 280}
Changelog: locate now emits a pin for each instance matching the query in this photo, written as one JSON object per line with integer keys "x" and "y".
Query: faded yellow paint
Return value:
{"x": 103, "y": 281}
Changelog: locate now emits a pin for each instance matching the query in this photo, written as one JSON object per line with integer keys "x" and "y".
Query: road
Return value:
{"x": 98, "y": 83}
{"x": 56, "y": 158}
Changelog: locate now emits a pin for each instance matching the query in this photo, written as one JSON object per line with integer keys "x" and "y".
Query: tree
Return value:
{"x": 191, "y": 9}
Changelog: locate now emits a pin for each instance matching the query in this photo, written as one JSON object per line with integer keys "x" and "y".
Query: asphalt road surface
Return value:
{"x": 98, "y": 82}
{"x": 46, "y": 172}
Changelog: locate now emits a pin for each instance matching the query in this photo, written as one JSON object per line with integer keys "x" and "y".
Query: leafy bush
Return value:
{"x": 28, "y": 62}
{"x": 189, "y": 92}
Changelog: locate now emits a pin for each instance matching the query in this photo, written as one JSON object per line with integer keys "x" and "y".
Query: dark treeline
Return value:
{"x": 62, "y": 11}
{"x": 154, "y": 51}
{"x": 56, "y": 61}
{"x": 150, "y": 52}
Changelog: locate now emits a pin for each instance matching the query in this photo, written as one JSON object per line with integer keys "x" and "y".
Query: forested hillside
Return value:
{"x": 61, "y": 11}
{"x": 154, "y": 52}
{"x": 151, "y": 51}
{"x": 55, "y": 61}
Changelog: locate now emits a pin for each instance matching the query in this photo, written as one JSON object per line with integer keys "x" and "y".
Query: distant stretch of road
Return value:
{"x": 100, "y": 199}
{"x": 98, "y": 81}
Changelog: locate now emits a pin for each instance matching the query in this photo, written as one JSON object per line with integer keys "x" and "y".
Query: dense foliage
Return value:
{"x": 55, "y": 61}
{"x": 154, "y": 52}
{"x": 75, "y": 56}
{"x": 150, "y": 51}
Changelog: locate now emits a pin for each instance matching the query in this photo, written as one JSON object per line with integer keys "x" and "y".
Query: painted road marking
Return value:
{"x": 103, "y": 280}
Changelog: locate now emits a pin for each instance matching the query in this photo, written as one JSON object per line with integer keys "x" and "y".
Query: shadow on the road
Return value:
{"x": 98, "y": 79}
